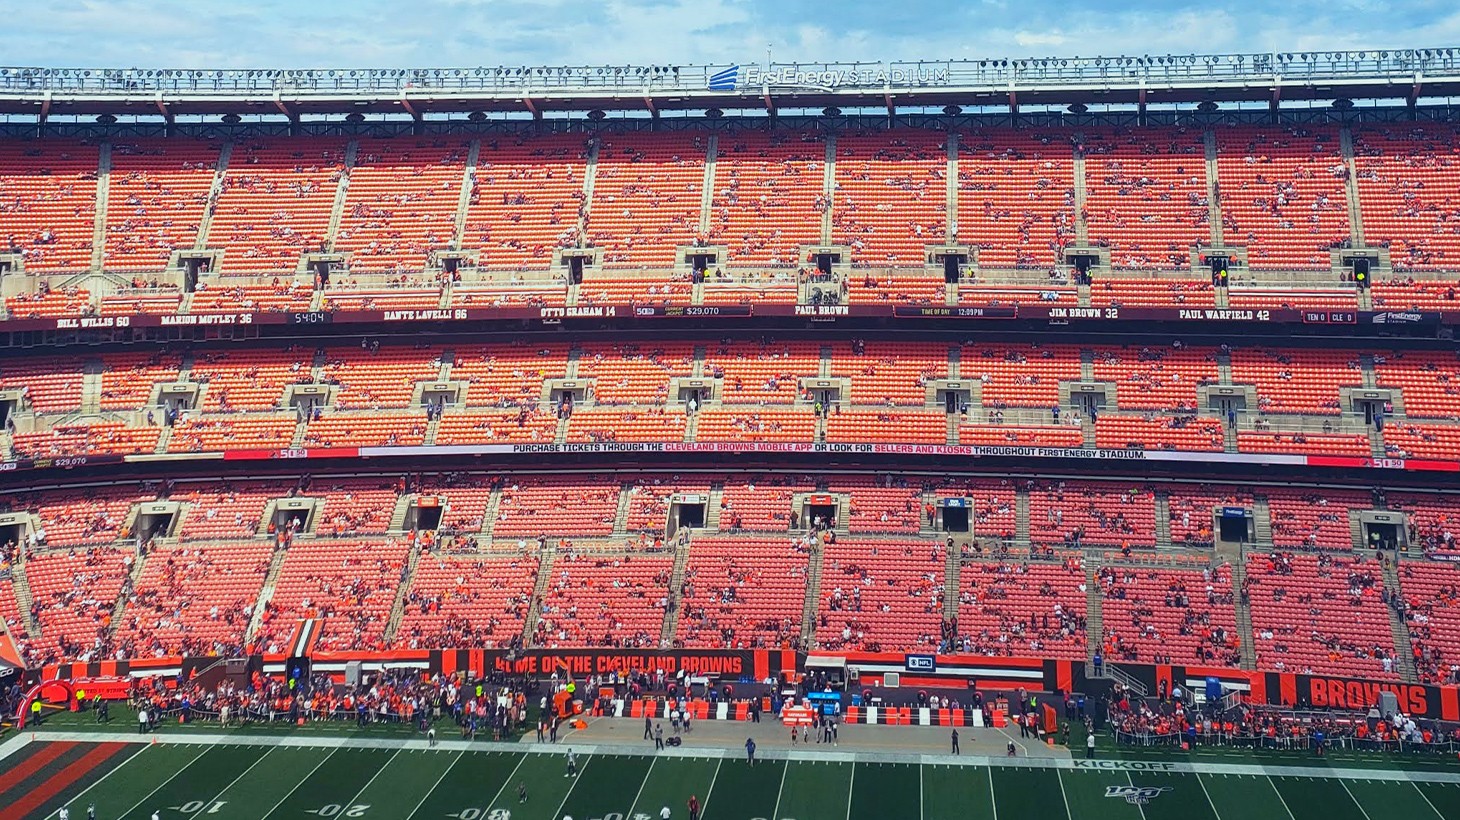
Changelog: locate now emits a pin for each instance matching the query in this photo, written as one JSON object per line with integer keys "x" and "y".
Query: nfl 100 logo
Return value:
{"x": 1136, "y": 795}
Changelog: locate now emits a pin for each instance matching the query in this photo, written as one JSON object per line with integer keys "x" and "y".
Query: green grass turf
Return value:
{"x": 219, "y": 764}
{"x": 1392, "y": 800}
{"x": 881, "y": 791}
{"x": 1085, "y": 792}
{"x": 1311, "y": 799}
{"x": 271, "y": 782}
{"x": 671, "y": 781}
{"x": 336, "y": 783}
{"x": 743, "y": 791}
{"x": 815, "y": 791}
{"x": 471, "y": 784}
{"x": 957, "y": 793}
{"x": 1032, "y": 793}
{"x": 124, "y": 788}
{"x": 606, "y": 784}
{"x": 1244, "y": 796}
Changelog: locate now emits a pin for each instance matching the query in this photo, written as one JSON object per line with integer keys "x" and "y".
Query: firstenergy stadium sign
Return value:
{"x": 826, "y": 77}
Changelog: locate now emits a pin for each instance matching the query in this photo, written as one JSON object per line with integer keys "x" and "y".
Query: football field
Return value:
{"x": 227, "y": 778}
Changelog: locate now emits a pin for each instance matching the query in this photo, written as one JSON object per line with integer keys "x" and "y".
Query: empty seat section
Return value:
{"x": 647, "y": 192}
{"x": 1312, "y": 444}
{"x": 1270, "y": 298}
{"x": 517, "y": 427}
{"x": 769, "y": 195}
{"x": 766, "y": 373}
{"x": 1193, "y": 508}
{"x": 279, "y": 297}
{"x": 1169, "y": 616}
{"x": 384, "y": 377}
{"x": 878, "y": 595}
{"x": 890, "y": 428}
{"x": 275, "y": 202}
{"x": 1316, "y": 519}
{"x": 1016, "y": 196}
{"x": 1297, "y": 381}
{"x": 1432, "y": 591}
{"x": 367, "y": 430}
{"x": 891, "y": 196}
{"x": 889, "y": 288}
{"x": 889, "y": 373}
{"x": 127, "y": 379}
{"x": 650, "y": 496}
{"x": 1156, "y": 378}
{"x": 508, "y": 375}
{"x": 467, "y": 602}
{"x": 536, "y": 293}
{"x": 750, "y": 288}
{"x": 1434, "y": 521}
{"x": 408, "y": 296}
{"x": 45, "y": 303}
{"x": 204, "y": 434}
{"x": 134, "y": 303}
{"x": 638, "y": 425}
{"x": 157, "y": 192}
{"x": 1406, "y": 175}
{"x": 48, "y": 202}
{"x": 52, "y": 384}
{"x": 102, "y": 438}
{"x": 401, "y": 201}
{"x": 1282, "y": 193}
{"x": 219, "y": 511}
{"x": 194, "y": 600}
{"x": 675, "y": 290}
{"x": 1409, "y": 295}
{"x": 249, "y": 379}
{"x": 348, "y": 585}
{"x": 533, "y": 506}
{"x": 526, "y": 195}
{"x": 742, "y": 593}
{"x": 605, "y": 600}
{"x": 1059, "y": 511}
{"x": 1020, "y": 375}
{"x": 997, "y": 294}
{"x": 999, "y": 435}
{"x": 1027, "y": 608}
{"x": 1319, "y": 614}
{"x": 1422, "y": 441}
{"x": 1189, "y": 433}
{"x": 757, "y": 425}
{"x": 84, "y": 518}
{"x": 353, "y": 506}
{"x": 760, "y": 503}
{"x": 1164, "y": 293}
{"x": 880, "y": 505}
{"x": 74, "y": 594}
{"x": 635, "y": 373}
{"x": 1430, "y": 381}
{"x": 1146, "y": 195}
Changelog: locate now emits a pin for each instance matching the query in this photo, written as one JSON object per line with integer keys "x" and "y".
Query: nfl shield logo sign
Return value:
{"x": 1136, "y": 795}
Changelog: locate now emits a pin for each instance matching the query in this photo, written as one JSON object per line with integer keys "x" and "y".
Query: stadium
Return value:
{"x": 343, "y": 407}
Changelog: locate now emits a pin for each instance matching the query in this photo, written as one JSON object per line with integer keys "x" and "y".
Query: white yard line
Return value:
{"x": 459, "y": 756}
{"x": 99, "y": 780}
{"x": 1213, "y": 803}
{"x": 175, "y": 775}
{"x": 851, "y": 781}
{"x": 993, "y": 801}
{"x": 236, "y": 779}
{"x": 1063, "y": 797}
{"x": 642, "y": 783}
{"x": 1355, "y": 799}
{"x": 371, "y": 780}
{"x": 782, "y": 789}
{"x": 1427, "y": 800}
{"x": 301, "y": 782}
{"x": 572, "y": 786}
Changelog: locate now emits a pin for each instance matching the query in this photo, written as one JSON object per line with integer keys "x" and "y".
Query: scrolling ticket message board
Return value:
{"x": 1326, "y": 692}
{"x": 728, "y": 665}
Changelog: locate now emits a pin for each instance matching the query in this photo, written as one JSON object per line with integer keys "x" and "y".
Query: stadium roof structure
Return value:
{"x": 1138, "y": 81}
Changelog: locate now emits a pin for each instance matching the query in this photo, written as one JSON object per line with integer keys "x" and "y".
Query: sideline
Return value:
{"x": 637, "y": 750}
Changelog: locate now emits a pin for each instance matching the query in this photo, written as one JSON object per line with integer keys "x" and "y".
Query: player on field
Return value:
{"x": 572, "y": 764}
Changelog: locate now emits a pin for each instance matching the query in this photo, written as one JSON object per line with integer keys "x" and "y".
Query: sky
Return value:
{"x": 470, "y": 33}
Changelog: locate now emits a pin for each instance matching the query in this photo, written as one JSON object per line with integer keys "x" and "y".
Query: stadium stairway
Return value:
{"x": 91, "y": 387}
{"x": 398, "y": 606}
{"x": 952, "y": 578}
{"x": 712, "y": 506}
{"x": 950, "y": 225}
{"x": 463, "y": 203}
{"x": 1094, "y": 614}
{"x": 103, "y": 199}
{"x": 1214, "y": 202}
{"x": 489, "y": 518}
{"x": 164, "y": 436}
{"x": 621, "y": 517}
{"x": 337, "y": 212}
{"x": 23, "y": 598}
{"x": 205, "y": 223}
{"x": 397, "y": 524}
{"x": 1082, "y": 224}
{"x": 707, "y": 198}
{"x": 1398, "y": 627}
{"x": 1021, "y": 516}
{"x": 815, "y": 562}
{"x": 266, "y": 594}
{"x": 1163, "y": 519}
{"x": 676, "y": 583}
{"x": 119, "y": 610}
{"x": 545, "y": 559}
{"x": 1351, "y": 187}
{"x": 590, "y": 177}
{"x": 828, "y": 188}
{"x": 1261, "y": 522}
{"x": 1242, "y": 607}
